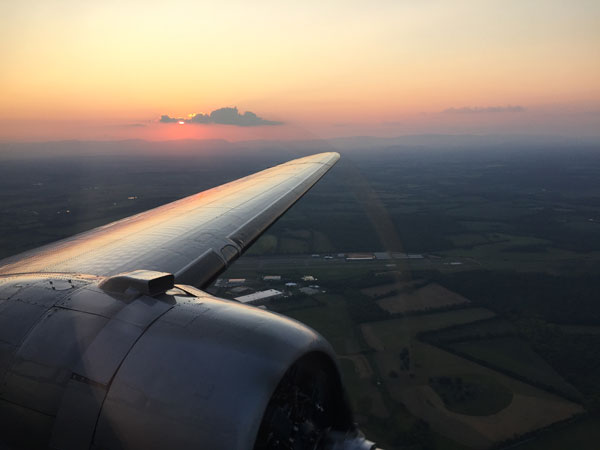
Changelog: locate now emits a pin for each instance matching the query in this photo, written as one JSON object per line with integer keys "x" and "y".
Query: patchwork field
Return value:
{"x": 459, "y": 398}
{"x": 388, "y": 334}
{"x": 529, "y": 408}
{"x": 524, "y": 414}
{"x": 406, "y": 376}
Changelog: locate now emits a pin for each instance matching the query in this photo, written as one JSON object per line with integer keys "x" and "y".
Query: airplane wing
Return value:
{"x": 194, "y": 238}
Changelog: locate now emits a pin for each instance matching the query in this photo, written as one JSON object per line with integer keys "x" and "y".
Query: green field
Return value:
{"x": 333, "y": 321}
{"x": 514, "y": 356}
{"x": 579, "y": 329}
{"x": 367, "y": 399}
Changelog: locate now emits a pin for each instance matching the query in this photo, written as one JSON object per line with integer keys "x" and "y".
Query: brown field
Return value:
{"x": 371, "y": 337}
{"x": 396, "y": 333}
{"x": 376, "y": 405}
{"x": 530, "y": 408}
{"x": 386, "y": 288}
{"x": 361, "y": 365}
{"x": 524, "y": 414}
{"x": 432, "y": 296}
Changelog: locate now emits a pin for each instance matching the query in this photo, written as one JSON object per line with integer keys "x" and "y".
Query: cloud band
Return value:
{"x": 484, "y": 110}
{"x": 223, "y": 116}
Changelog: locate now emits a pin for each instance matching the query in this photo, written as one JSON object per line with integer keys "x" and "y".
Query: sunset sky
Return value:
{"x": 111, "y": 69}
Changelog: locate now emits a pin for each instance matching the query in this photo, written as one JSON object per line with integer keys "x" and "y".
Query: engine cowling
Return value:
{"x": 85, "y": 364}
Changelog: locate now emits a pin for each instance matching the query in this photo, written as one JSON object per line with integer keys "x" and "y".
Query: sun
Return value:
{"x": 181, "y": 122}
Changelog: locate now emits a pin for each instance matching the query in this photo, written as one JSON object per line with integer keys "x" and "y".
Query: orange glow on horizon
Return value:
{"x": 104, "y": 66}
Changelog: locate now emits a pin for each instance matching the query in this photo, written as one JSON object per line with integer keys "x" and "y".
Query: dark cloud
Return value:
{"x": 224, "y": 116}
{"x": 487, "y": 109}
{"x": 166, "y": 119}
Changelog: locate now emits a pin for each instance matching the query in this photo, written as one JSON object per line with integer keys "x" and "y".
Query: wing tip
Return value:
{"x": 329, "y": 158}
{"x": 325, "y": 158}
{"x": 333, "y": 157}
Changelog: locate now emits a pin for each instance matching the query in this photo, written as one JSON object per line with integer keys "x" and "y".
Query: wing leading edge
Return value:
{"x": 194, "y": 238}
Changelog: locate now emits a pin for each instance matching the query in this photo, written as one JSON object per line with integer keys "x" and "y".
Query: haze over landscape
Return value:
{"x": 451, "y": 257}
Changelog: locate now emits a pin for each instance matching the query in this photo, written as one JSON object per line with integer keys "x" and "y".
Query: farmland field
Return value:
{"x": 430, "y": 297}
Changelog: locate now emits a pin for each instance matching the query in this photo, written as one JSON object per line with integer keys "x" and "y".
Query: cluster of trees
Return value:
{"x": 555, "y": 298}
{"x": 453, "y": 390}
{"x": 576, "y": 357}
{"x": 404, "y": 359}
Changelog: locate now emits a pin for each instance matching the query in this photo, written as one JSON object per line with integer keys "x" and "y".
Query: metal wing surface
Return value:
{"x": 194, "y": 238}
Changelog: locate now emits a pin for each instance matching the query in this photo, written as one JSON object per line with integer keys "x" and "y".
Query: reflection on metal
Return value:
{"x": 156, "y": 372}
{"x": 132, "y": 361}
{"x": 230, "y": 252}
{"x": 190, "y": 238}
{"x": 147, "y": 282}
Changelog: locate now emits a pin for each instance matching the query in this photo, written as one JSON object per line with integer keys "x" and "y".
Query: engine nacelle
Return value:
{"x": 88, "y": 363}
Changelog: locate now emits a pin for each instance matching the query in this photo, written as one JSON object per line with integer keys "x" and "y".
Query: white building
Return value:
{"x": 360, "y": 256}
{"x": 260, "y": 295}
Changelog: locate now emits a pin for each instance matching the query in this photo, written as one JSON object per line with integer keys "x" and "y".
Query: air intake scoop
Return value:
{"x": 148, "y": 282}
